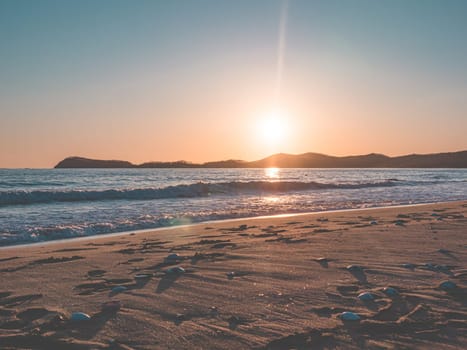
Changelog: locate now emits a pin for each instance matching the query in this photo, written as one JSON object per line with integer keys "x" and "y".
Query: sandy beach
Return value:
{"x": 265, "y": 283}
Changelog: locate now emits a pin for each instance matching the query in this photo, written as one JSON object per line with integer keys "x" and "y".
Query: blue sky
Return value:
{"x": 167, "y": 80}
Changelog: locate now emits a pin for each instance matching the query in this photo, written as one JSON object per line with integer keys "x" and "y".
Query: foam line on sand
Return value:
{"x": 377, "y": 278}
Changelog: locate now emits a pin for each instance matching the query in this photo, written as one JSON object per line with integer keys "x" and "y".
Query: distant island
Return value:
{"x": 281, "y": 160}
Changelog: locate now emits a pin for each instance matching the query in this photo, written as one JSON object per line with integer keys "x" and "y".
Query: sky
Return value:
{"x": 207, "y": 80}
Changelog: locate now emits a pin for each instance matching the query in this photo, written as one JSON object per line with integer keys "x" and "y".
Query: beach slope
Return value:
{"x": 266, "y": 283}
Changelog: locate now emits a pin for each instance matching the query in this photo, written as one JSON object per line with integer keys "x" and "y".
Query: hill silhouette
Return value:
{"x": 282, "y": 160}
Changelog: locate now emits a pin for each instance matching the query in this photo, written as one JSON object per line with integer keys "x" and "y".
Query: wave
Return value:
{"x": 200, "y": 189}
{"x": 90, "y": 224}
{"x": 83, "y": 229}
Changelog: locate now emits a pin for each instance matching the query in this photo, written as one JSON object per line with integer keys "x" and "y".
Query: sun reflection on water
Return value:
{"x": 272, "y": 173}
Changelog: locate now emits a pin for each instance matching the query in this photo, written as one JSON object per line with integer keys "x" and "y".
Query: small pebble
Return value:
{"x": 353, "y": 268}
{"x": 390, "y": 291}
{"x": 349, "y": 316}
{"x": 79, "y": 317}
{"x": 173, "y": 258}
{"x": 143, "y": 276}
{"x": 366, "y": 296}
{"x": 175, "y": 270}
{"x": 58, "y": 319}
{"x": 447, "y": 285}
{"x": 408, "y": 266}
{"x": 119, "y": 289}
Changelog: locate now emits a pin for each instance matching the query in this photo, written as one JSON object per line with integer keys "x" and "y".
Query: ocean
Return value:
{"x": 47, "y": 204}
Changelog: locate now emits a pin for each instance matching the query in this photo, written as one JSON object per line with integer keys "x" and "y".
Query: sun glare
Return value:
{"x": 272, "y": 173}
{"x": 272, "y": 127}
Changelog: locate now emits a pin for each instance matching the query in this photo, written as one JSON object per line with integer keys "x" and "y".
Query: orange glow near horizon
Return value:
{"x": 158, "y": 84}
{"x": 166, "y": 87}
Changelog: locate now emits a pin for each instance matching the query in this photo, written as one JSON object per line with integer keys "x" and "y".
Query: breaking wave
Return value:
{"x": 200, "y": 189}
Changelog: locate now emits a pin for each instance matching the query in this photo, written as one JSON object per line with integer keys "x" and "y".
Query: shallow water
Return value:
{"x": 38, "y": 205}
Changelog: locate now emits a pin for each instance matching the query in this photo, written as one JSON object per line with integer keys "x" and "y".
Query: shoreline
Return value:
{"x": 265, "y": 283}
{"x": 162, "y": 228}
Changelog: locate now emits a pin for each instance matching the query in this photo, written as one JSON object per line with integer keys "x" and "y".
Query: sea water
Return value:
{"x": 47, "y": 204}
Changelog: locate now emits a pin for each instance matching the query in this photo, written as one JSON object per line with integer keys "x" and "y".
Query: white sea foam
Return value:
{"x": 39, "y": 205}
{"x": 200, "y": 189}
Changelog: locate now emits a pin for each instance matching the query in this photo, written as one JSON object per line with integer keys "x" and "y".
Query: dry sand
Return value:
{"x": 280, "y": 295}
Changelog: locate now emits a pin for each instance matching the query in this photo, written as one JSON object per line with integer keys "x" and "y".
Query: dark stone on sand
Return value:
{"x": 143, "y": 276}
{"x": 366, "y": 296}
{"x": 79, "y": 317}
{"x": 177, "y": 270}
{"x": 447, "y": 285}
{"x": 390, "y": 291}
{"x": 349, "y": 316}
{"x": 119, "y": 289}
{"x": 408, "y": 266}
{"x": 354, "y": 268}
{"x": 172, "y": 258}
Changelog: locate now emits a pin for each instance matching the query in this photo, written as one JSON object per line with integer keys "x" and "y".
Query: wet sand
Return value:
{"x": 268, "y": 283}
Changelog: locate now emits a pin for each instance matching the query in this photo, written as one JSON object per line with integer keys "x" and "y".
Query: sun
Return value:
{"x": 272, "y": 127}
